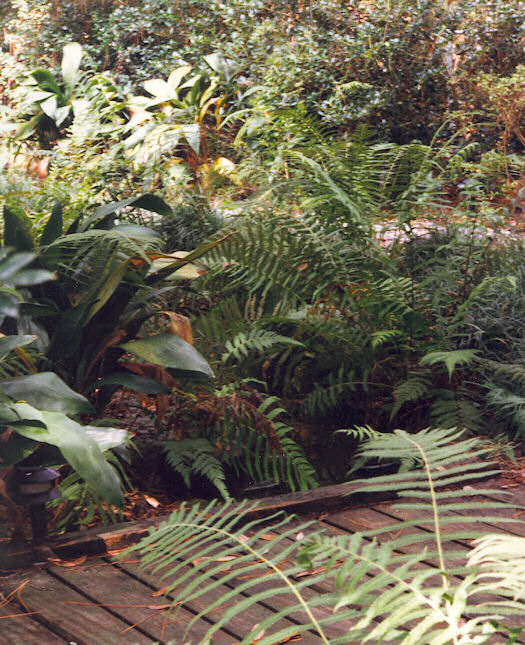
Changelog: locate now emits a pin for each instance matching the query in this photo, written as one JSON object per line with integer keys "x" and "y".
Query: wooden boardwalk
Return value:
{"x": 93, "y": 600}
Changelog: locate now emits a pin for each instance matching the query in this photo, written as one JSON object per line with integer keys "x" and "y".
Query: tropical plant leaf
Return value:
{"x": 78, "y": 447}
{"x": 172, "y": 352}
{"x": 53, "y": 227}
{"x": 46, "y": 391}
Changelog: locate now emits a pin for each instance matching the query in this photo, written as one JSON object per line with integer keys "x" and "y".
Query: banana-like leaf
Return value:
{"x": 78, "y": 447}
{"x": 172, "y": 352}
{"x": 46, "y": 391}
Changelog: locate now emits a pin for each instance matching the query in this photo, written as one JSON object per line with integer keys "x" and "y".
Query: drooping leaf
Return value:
{"x": 15, "y": 450}
{"x": 13, "y": 264}
{"x": 177, "y": 75}
{"x": 46, "y": 391}
{"x": 172, "y": 352}
{"x": 79, "y": 449}
{"x": 224, "y": 67}
{"x": 187, "y": 271}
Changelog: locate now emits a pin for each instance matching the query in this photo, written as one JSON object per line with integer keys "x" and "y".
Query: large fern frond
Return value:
{"x": 406, "y": 582}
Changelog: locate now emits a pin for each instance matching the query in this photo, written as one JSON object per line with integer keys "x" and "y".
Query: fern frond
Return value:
{"x": 451, "y": 359}
{"x": 254, "y": 341}
{"x": 214, "y": 538}
{"x": 410, "y": 390}
{"x": 328, "y": 396}
{"x": 189, "y": 456}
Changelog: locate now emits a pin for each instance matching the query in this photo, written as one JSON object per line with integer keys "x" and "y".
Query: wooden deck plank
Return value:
{"x": 241, "y": 623}
{"x": 81, "y": 623}
{"x": 134, "y": 602}
{"x": 24, "y": 629}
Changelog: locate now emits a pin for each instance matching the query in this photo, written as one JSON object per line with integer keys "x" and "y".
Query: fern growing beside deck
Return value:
{"x": 411, "y": 582}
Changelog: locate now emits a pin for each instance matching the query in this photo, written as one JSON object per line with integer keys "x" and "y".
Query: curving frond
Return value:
{"x": 409, "y": 582}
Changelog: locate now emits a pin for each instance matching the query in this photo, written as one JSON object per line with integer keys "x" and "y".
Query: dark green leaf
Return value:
{"x": 53, "y": 228}
{"x": 79, "y": 449}
{"x": 46, "y": 391}
{"x": 172, "y": 352}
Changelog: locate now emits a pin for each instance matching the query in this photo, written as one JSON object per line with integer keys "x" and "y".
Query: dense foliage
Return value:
{"x": 266, "y": 220}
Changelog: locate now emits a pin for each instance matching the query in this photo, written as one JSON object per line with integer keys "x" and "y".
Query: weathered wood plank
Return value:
{"x": 241, "y": 623}
{"x": 65, "y": 611}
{"x": 15, "y": 628}
{"x": 135, "y": 603}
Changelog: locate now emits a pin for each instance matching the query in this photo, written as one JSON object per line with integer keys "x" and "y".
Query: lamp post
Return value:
{"x": 35, "y": 487}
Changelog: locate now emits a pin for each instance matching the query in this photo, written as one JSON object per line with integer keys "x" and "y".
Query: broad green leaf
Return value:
{"x": 8, "y": 303}
{"x": 224, "y": 67}
{"x": 171, "y": 352}
{"x": 79, "y": 449}
{"x": 201, "y": 250}
{"x": 135, "y": 231}
{"x": 159, "y": 89}
{"x": 49, "y": 106}
{"x": 8, "y": 343}
{"x": 107, "y": 438}
{"x": 71, "y": 63}
{"x": 177, "y": 75}
{"x": 14, "y": 263}
{"x": 53, "y": 228}
{"x": 46, "y": 81}
{"x": 192, "y": 134}
{"x": 31, "y": 277}
{"x": 46, "y": 391}
{"x": 61, "y": 114}
{"x": 135, "y": 382}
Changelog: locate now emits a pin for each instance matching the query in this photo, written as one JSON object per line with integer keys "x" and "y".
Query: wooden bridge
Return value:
{"x": 78, "y": 594}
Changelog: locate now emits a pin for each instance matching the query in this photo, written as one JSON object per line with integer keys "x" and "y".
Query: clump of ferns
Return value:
{"x": 414, "y": 580}
{"x": 239, "y": 428}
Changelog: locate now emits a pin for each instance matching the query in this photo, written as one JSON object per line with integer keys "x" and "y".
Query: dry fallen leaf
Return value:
{"x": 152, "y": 501}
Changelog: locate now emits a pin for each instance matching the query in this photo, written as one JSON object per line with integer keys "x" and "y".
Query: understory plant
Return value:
{"x": 415, "y": 581}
